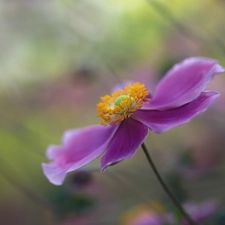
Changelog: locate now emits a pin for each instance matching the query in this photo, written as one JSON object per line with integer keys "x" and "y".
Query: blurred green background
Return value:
{"x": 57, "y": 58}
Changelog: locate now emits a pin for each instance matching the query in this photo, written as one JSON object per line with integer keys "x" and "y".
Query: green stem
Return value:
{"x": 166, "y": 188}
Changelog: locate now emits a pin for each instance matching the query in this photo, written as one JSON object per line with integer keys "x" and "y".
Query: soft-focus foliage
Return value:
{"x": 57, "y": 58}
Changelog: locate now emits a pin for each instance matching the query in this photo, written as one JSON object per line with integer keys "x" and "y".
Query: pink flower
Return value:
{"x": 147, "y": 219}
{"x": 128, "y": 114}
{"x": 202, "y": 212}
{"x": 145, "y": 214}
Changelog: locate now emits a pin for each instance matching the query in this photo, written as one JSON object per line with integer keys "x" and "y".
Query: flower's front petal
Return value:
{"x": 161, "y": 121}
{"x": 79, "y": 147}
{"x": 125, "y": 142}
{"x": 184, "y": 82}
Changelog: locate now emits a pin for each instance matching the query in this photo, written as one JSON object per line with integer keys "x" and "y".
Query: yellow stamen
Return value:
{"x": 122, "y": 104}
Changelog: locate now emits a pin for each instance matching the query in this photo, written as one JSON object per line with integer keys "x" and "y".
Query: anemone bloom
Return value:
{"x": 129, "y": 112}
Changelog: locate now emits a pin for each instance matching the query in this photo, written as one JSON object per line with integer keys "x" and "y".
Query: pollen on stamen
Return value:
{"x": 122, "y": 104}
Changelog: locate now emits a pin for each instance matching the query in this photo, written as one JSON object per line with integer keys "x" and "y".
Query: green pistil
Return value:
{"x": 120, "y": 99}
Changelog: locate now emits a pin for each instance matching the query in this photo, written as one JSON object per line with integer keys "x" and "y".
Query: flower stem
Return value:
{"x": 166, "y": 188}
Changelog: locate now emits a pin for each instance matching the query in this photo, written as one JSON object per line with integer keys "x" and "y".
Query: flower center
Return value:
{"x": 119, "y": 100}
{"x": 122, "y": 103}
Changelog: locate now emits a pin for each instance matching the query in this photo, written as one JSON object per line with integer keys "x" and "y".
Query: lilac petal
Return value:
{"x": 79, "y": 147}
{"x": 53, "y": 151}
{"x": 122, "y": 85}
{"x": 202, "y": 212}
{"x": 184, "y": 83}
{"x": 54, "y": 173}
{"x": 125, "y": 142}
{"x": 148, "y": 219}
{"x": 161, "y": 121}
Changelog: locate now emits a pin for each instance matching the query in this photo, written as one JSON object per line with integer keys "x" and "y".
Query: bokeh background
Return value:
{"x": 57, "y": 57}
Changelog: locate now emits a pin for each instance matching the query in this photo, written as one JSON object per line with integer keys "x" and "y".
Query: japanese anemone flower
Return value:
{"x": 129, "y": 112}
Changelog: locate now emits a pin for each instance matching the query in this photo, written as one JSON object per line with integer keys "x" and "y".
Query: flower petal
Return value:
{"x": 54, "y": 173}
{"x": 202, "y": 212}
{"x": 184, "y": 82}
{"x": 79, "y": 147}
{"x": 53, "y": 151}
{"x": 122, "y": 85}
{"x": 125, "y": 142}
{"x": 161, "y": 121}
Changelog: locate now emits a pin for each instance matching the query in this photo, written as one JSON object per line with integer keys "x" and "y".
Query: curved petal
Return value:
{"x": 184, "y": 83}
{"x": 79, "y": 147}
{"x": 54, "y": 173}
{"x": 53, "y": 151}
{"x": 161, "y": 121}
{"x": 125, "y": 142}
{"x": 122, "y": 85}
